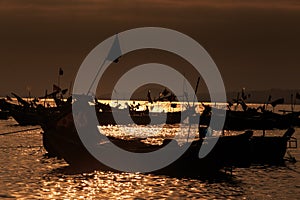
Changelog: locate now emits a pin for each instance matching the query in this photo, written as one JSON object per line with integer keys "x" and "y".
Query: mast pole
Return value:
{"x": 93, "y": 82}
{"x": 187, "y": 139}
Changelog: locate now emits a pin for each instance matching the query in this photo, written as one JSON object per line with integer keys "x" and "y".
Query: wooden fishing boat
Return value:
{"x": 252, "y": 119}
{"x": 269, "y": 149}
{"x": 230, "y": 151}
{"x": 61, "y": 139}
{"x": 31, "y": 113}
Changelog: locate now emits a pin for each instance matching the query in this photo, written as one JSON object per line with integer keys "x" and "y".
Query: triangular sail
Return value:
{"x": 115, "y": 51}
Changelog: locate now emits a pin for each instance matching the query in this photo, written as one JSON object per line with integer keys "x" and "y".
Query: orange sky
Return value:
{"x": 255, "y": 44}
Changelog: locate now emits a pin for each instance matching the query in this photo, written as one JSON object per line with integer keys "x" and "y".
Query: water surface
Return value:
{"x": 26, "y": 173}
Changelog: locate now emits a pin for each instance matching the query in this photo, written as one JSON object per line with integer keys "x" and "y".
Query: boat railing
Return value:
{"x": 292, "y": 143}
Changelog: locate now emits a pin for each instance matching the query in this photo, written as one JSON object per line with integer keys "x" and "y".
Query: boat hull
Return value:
{"x": 229, "y": 151}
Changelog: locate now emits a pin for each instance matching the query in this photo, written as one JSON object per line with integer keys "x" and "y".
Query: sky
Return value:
{"x": 255, "y": 44}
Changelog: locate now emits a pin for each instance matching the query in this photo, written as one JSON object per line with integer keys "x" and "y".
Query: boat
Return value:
{"x": 251, "y": 119}
{"x": 32, "y": 113}
{"x": 67, "y": 145}
{"x": 269, "y": 149}
{"x": 105, "y": 114}
{"x": 241, "y": 150}
{"x": 61, "y": 139}
{"x": 29, "y": 115}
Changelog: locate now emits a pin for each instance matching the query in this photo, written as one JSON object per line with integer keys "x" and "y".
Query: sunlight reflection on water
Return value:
{"x": 25, "y": 173}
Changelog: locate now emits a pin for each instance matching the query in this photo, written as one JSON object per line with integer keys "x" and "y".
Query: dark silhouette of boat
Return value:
{"x": 250, "y": 118}
{"x": 60, "y": 139}
{"x": 32, "y": 113}
{"x": 145, "y": 117}
{"x": 63, "y": 141}
{"x": 269, "y": 149}
{"x": 131, "y": 114}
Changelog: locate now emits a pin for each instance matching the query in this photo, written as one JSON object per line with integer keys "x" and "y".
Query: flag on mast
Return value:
{"x": 115, "y": 51}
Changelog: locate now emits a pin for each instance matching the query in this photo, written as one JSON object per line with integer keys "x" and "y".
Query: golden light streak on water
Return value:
{"x": 26, "y": 174}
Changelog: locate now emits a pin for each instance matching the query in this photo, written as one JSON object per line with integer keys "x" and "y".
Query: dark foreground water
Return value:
{"x": 25, "y": 173}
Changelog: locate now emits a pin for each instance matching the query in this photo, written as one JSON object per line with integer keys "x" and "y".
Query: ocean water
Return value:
{"x": 26, "y": 174}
